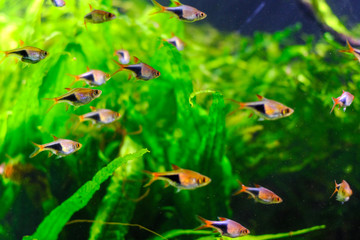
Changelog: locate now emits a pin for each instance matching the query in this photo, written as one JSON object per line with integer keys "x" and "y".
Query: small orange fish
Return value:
{"x": 180, "y": 178}
{"x": 124, "y": 56}
{"x": 266, "y": 108}
{"x": 103, "y": 116}
{"x": 60, "y": 147}
{"x": 176, "y": 42}
{"x": 354, "y": 51}
{"x": 76, "y": 97}
{"x": 344, "y": 191}
{"x": 143, "y": 71}
{"x": 58, "y": 3}
{"x": 344, "y": 100}
{"x": 260, "y": 194}
{"x": 98, "y": 16}
{"x": 225, "y": 227}
{"x": 183, "y": 12}
{"x": 92, "y": 77}
{"x": 27, "y": 54}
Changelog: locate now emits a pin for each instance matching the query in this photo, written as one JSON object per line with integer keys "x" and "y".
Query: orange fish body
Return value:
{"x": 344, "y": 100}
{"x": 76, "y": 96}
{"x": 225, "y": 227}
{"x": 27, "y": 54}
{"x": 181, "y": 178}
{"x": 124, "y": 56}
{"x": 102, "y": 116}
{"x": 266, "y": 108}
{"x": 92, "y": 77}
{"x": 183, "y": 12}
{"x": 98, "y": 16}
{"x": 344, "y": 191}
{"x": 142, "y": 71}
{"x": 260, "y": 194}
{"x": 60, "y": 147}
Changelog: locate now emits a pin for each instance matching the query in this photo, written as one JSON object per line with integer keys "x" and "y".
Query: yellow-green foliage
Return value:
{"x": 309, "y": 148}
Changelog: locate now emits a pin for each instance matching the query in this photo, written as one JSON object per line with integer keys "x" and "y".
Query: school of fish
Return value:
{"x": 180, "y": 178}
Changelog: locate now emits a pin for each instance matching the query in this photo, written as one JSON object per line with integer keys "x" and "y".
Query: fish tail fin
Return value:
{"x": 122, "y": 67}
{"x": 336, "y": 101}
{"x": 350, "y": 50}
{"x": 55, "y": 102}
{"x": 154, "y": 177}
{"x": 6, "y": 54}
{"x": 243, "y": 189}
{"x": 39, "y": 148}
{"x": 204, "y": 223}
{"x": 241, "y": 106}
{"x": 336, "y": 190}
{"x": 81, "y": 118}
{"x": 162, "y": 8}
{"x": 76, "y": 78}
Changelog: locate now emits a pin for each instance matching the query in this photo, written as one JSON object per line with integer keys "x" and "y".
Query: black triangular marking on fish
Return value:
{"x": 121, "y": 54}
{"x": 23, "y": 53}
{"x": 175, "y": 178}
{"x": 71, "y": 98}
{"x": 89, "y": 77}
{"x": 95, "y": 117}
{"x": 223, "y": 226}
{"x": 55, "y": 146}
{"x": 259, "y": 108}
{"x": 178, "y": 11}
{"x": 135, "y": 68}
{"x": 343, "y": 100}
{"x": 254, "y": 191}
{"x": 172, "y": 43}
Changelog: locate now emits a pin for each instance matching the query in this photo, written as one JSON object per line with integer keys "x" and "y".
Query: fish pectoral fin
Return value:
{"x": 261, "y": 119}
{"x": 178, "y": 190}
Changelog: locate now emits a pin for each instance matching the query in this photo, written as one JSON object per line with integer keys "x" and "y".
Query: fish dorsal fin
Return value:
{"x": 91, "y": 8}
{"x": 177, "y": 3}
{"x": 222, "y": 218}
{"x": 172, "y": 34}
{"x": 55, "y": 137}
{"x": 93, "y": 108}
{"x": 87, "y": 68}
{"x": 21, "y": 42}
{"x": 136, "y": 60}
{"x": 259, "y": 97}
{"x": 174, "y": 167}
{"x": 67, "y": 89}
{"x": 257, "y": 185}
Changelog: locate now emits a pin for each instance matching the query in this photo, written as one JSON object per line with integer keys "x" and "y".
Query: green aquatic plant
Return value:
{"x": 184, "y": 119}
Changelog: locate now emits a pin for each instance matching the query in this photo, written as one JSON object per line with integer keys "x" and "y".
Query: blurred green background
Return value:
{"x": 298, "y": 157}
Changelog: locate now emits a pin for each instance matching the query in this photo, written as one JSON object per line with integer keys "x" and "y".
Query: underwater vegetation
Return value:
{"x": 177, "y": 114}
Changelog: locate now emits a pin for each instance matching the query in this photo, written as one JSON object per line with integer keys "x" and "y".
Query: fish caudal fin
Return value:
{"x": 336, "y": 189}
{"x": 55, "y": 102}
{"x": 350, "y": 50}
{"x": 205, "y": 223}
{"x": 6, "y": 54}
{"x": 336, "y": 101}
{"x": 241, "y": 106}
{"x": 243, "y": 189}
{"x": 39, "y": 148}
{"x": 162, "y": 8}
{"x": 122, "y": 67}
{"x": 76, "y": 78}
{"x": 154, "y": 177}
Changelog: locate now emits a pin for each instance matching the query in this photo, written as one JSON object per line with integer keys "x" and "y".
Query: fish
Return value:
{"x": 142, "y": 71}
{"x": 58, "y": 3}
{"x": 344, "y": 191}
{"x": 59, "y": 147}
{"x": 260, "y": 194}
{"x": 102, "y": 116}
{"x": 180, "y": 178}
{"x": 76, "y": 97}
{"x": 27, "y": 54}
{"x": 344, "y": 100}
{"x": 183, "y": 12}
{"x": 98, "y": 16}
{"x": 266, "y": 108}
{"x": 176, "y": 42}
{"x": 225, "y": 227}
{"x": 124, "y": 56}
{"x": 354, "y": 51}
{"x": 91, "y": 77}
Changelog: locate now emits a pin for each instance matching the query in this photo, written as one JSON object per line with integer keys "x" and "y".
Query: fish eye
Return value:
{"x": 78, "y": 145}
{"x": 96, "y": 92}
